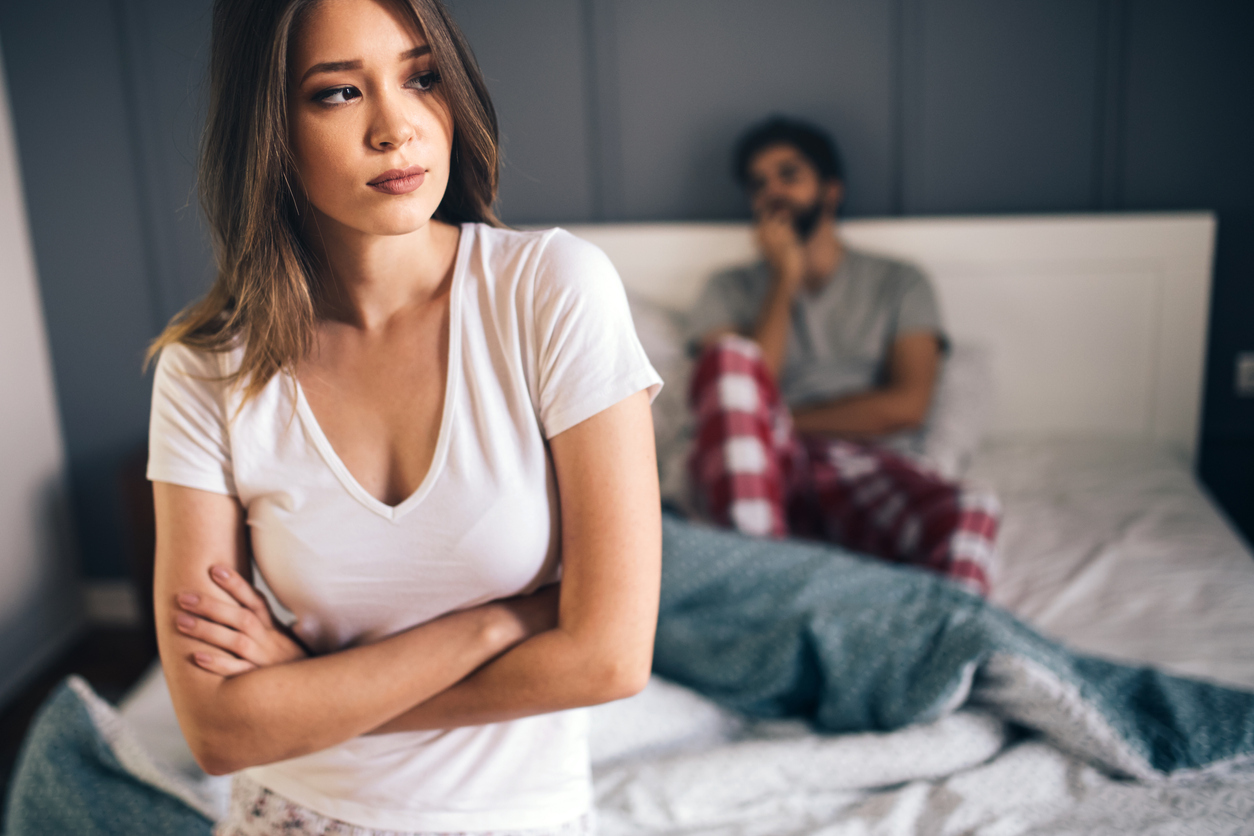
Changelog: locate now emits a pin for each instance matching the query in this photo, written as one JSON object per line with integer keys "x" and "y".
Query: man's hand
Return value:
{"x": 782, "y": 248}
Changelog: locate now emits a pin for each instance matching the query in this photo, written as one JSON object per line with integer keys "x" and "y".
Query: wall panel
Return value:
{"x": 1004, "y": 102}
{"x": 166, "y": 47}
{"x": 534, "y": 56}
{"x": 1188, "y": 126}
{"x": 39, "y": 602}
{"x": 690, "y": 75}
{"x": 76, "y": 143}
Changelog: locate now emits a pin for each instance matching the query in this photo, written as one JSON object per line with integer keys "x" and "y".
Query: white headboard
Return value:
{"x": 1096, "y": 323}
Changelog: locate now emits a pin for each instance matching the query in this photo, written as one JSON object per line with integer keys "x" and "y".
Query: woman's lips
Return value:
{"x": 399, "y": 180}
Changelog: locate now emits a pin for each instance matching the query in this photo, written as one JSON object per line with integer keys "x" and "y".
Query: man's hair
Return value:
{"x": 810, "y": 140}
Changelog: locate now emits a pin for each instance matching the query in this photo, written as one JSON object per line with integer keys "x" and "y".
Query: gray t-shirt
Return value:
{"x": 841, "y": 335}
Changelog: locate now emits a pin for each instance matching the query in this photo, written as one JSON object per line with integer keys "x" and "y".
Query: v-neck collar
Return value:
{"x": 452, "y": 387}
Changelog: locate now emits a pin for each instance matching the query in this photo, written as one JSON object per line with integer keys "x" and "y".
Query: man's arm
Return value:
{"x": 784, "y": 255}
{"x": 902, "y": 404}
{"x": 772, "y": 324}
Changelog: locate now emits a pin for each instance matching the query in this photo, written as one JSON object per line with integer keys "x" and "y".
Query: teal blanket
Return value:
{"x": 78, "y": 775}
{"x": 776, "y": 629}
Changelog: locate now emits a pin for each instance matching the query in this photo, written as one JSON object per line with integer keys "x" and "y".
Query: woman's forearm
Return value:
{"x": 602, "y": 647}
{"x": 289, "y": 710}
{"x": 553, "y": 671}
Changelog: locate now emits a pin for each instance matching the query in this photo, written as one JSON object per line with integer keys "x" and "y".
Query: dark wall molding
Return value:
{"x": 1112, "y": 74}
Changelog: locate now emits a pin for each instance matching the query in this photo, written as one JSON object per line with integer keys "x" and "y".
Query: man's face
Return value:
{"x": 782, "y": 180}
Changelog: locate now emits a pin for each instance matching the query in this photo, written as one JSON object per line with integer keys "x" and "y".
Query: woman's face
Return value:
{"x": 369, "y": 130}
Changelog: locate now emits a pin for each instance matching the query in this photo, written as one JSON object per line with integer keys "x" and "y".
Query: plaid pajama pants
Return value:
{"x": 753, "y": 472}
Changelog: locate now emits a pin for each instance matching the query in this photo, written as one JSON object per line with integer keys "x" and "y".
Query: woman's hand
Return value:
{"x": 535, "y": 613}
{"x": 244, "y": 633}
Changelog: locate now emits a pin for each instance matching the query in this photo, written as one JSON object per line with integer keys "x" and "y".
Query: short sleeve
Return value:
{"x": 725, "y": 301}
{"x": 588, "y": 355}
{"x": 917, "y": 310}
{"x": 188, "y": 441}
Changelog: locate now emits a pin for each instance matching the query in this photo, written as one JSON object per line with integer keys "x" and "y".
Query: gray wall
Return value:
{"x": 40, "y": 609}
{"x": 626, "y": 110}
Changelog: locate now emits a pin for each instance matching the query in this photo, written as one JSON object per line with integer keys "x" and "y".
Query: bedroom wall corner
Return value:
{"x": 40, "y": 598}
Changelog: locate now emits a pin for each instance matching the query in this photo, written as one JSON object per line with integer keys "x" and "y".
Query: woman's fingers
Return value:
{"x": 241, "y": 590}
{"x": 238, "y": 630}
{"x": 222, "y": 664}
{"x": 224, "y": 613}
{"x": 223, "y": 638}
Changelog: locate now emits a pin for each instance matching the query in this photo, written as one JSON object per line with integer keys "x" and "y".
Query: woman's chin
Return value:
{"x": 387, "y": 224}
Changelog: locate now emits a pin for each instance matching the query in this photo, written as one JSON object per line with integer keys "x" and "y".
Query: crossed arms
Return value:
{"x": 590, "y": 642}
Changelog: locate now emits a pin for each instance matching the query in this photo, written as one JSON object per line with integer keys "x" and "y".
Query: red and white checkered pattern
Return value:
{"x": 753, "y": 472}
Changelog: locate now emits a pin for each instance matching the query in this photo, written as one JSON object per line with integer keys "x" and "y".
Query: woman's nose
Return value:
{"x": 390, "y": 128}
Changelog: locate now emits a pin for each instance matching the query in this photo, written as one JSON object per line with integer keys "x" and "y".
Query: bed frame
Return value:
{"x": 1096, "y": 323}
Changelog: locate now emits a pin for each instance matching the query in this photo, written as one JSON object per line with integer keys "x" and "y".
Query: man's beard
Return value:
{"x": 807, "y": 220}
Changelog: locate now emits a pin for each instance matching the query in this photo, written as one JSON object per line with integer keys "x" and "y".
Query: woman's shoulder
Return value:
{"x": 543, "y": 261}
{"x": 199, "y": 367}
{"x": 185, "y": 357}
{"x": 551, "y": 245}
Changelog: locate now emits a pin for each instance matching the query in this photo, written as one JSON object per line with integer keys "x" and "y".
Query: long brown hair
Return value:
{"x": 267, "y": 283}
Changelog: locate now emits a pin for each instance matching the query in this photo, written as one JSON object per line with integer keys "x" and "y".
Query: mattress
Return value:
{"x": 1108, "y": 546}
{"x": 1113, "y": 548}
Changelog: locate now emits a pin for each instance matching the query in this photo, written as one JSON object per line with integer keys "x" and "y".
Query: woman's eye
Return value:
{"x": 423, "y": 81}
{"x": 337, "y": 95}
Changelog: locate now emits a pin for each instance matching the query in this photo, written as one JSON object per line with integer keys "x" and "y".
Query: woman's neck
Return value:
{"x": 368, "y": 279}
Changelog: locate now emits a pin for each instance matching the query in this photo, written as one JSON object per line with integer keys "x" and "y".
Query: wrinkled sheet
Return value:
{"x": 1110, "y": 547}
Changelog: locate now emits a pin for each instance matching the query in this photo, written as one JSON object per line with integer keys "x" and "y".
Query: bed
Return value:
{"x": 1092, "y": 334}
{"x": 1095, "y": 329}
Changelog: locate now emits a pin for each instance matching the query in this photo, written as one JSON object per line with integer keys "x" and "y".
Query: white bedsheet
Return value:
{"x": 1108, "y": 546}
{"x": 1113, "y": 548}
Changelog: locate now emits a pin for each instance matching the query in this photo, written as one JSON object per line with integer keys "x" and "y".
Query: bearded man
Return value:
{"x": 809, "y": 359}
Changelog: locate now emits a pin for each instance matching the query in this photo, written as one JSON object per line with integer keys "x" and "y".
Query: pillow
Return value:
{"x": 661, "y": 333}
{"x": 82, "y": 773}
{"x": 962, "y": 407}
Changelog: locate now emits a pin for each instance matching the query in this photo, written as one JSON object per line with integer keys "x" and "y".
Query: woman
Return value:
{"x": 408, "y": 417}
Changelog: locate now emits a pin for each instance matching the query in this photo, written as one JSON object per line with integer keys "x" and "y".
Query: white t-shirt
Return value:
{"x": 540, "y": 338}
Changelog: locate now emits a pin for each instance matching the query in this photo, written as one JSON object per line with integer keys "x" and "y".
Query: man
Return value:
{"x": 809, "y": 358}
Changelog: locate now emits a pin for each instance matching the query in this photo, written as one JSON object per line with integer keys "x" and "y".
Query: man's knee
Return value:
{"x": 731, "y": 376}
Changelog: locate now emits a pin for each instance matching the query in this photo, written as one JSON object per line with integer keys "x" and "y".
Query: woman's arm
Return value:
{"x": 292, "y": 709}
{"x": 602, "y": 647}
